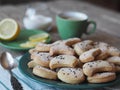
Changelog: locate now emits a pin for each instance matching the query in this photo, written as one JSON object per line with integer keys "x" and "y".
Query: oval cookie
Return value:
{"x": 91, "y": 68}
{"x": 83, "y": 46}
{"x": 89, "y": 55}
{"x": 113, "y": 51}
{"x": 32, "y": 64}
{"x": 61, "y": 48}
{"x": 44, "y": 72}
{"x": 63, "y": 61}
{"x": 104, "y": 50}
{"x": 43, "y": 59}
{"x": 71, "y": 75}
{"x": 71, "y": 41}
{"x": 102, "y": 77}
{"x": 42, "y": 47}
{"x": 114, "y": 59}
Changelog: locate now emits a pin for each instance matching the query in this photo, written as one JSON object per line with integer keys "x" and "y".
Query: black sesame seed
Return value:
{"x": 75, "y": 76}
{"x": 67, "y": 73}
{"x": 70, "y": 70}
{"x": 90, "y": 65}
{"x": 74, "y": 72}
{"x": 40, "y": 54}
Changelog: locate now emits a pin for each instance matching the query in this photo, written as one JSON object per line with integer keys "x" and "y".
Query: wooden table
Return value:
{"x": 108, "y": 22}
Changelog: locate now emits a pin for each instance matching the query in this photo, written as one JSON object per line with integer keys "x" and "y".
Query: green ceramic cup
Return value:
{"x": 73, "y": 24}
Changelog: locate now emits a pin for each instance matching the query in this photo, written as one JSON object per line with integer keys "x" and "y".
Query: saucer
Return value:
{"x": 23, "y": 37}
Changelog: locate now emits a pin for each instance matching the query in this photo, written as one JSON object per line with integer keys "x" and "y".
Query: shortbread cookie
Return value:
{"x": 83, "y": 46}
{"x": 114, "y": 59}
{"x": 104, "y": 50}
{"x": 43, "y": 59}
{"x": 102, "y": 56}
{"x": 61, "y": 49}
{"x": 44, "y": 72}
{"x": 32, "y": 50}
{"x": 91, "y": 68}
{"x": 32, "y": 64}
{"x": 71, "y": 75}
{"x": 71, "y": 41}
{"x": 42, "y": 47}
{"x": 32, "y": 54}
{"x": 117, "y": 67}
{"x": 102, "y": 45}
{"x": 113, "y": 51}
{"x": 89, "y": 55}
{"x": 107, "y": 48}
{"x": 68, "y": 42}
{"x": 102, "y": 77}
{"x": 63, "y": 61}
{"x": 57, "y": 42}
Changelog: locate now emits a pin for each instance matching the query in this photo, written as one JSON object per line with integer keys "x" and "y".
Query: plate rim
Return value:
{"x": 78, "y": 86}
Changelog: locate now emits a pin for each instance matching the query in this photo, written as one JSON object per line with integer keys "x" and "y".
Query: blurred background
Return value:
{"x": 105, "y": 12}
{"x": 110, "y": 4}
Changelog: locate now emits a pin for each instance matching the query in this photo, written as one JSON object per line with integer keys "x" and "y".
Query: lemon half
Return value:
{"x": 9, "y": 29}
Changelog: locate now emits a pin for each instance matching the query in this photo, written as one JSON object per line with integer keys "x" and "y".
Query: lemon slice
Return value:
{"x": 38, "y": 37}
{"x": 9, "y": 29}
{"x": 34, "y": 40}
{"x": 30, "y": 44}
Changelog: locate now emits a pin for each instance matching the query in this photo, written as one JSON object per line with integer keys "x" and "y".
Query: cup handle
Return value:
{"x": 93, "y": 29}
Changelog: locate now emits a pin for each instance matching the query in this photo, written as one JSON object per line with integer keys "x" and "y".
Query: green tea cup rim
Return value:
{"x": 72, "y": 14}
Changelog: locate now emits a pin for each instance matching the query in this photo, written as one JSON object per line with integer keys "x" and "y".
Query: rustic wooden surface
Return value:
{"x": 108, "y": 22}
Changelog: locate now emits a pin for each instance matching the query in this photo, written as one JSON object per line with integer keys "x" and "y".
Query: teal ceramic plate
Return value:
{"x": 28, "y": 73}
{"x": 23, "y": 37}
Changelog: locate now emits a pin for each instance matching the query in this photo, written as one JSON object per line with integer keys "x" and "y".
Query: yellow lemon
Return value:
{"x": 9, "y": 29}
{"x": 39, "y": 37}
{"x": 30, "y": 44}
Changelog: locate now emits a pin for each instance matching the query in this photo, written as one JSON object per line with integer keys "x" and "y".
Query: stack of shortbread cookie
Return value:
{"x": 75, "y": 61}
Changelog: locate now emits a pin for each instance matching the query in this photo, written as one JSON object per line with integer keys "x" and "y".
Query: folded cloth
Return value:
{"x": 4, "y": 79}
{"x": 3, "y": 86}
{"x": 26, "y": 83}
